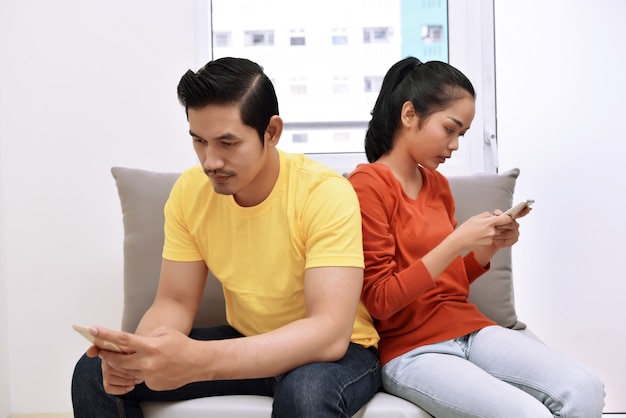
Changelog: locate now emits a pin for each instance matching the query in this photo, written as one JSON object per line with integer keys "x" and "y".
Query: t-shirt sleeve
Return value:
{"x": 178, "y": 245}
{"x": 331, "y": 222}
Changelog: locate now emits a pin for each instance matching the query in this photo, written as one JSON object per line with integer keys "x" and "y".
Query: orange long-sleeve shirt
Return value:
{"x": 409, "y": 308}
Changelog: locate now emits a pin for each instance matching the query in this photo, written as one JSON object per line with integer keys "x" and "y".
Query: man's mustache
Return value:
{"x": 218, "y": 173}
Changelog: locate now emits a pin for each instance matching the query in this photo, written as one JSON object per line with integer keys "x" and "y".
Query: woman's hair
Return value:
{"x": 430, "y": 87}
{"x": 227, "y": 81}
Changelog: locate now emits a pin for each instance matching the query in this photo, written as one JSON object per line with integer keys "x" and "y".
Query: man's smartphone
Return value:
{"x": 515, "y": 210}
{"x": 103, "y": 345}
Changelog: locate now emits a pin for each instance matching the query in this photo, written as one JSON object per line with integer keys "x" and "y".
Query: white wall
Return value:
{"x": 4, "y": 341}
{"x": 88, "y": 85}
{"x": 84, "y": 85}
{"x": 560, "y": 93}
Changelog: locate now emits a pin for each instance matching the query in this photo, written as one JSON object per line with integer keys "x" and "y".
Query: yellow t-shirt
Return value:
{"x": 310, "y": 219}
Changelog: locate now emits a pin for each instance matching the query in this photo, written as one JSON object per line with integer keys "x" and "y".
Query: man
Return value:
{"x": 283, "y": 235}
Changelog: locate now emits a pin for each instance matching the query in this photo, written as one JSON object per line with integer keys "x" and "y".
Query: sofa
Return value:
{"x": 142, "y": 196}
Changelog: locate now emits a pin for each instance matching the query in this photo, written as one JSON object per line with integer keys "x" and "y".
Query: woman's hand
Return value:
{"x": 483, "y": 229}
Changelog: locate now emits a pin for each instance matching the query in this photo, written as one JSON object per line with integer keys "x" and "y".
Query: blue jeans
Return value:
{"x": 495, "y": 372}
{"x": 337, "y": 389}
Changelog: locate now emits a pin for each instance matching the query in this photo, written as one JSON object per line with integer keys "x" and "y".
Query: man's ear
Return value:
{"x": 274, "y": 131}
{"x": 408, "y": 116}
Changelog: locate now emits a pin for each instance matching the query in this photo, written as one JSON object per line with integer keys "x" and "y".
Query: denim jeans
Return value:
{"x": 334, "y": 389}
{"x": 495, "y": 372}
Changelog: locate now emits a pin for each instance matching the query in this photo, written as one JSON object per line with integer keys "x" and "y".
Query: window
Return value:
{"x": 297, "y": 38}
{"x": 221, "y": 39}
{"x": 327, "y": 76}
{"x": 432, "y": 33}
{"x": 339, "y": 39}
{"x": 372, "y": 35}
{"x": 297, "y": 87}
{"x": 373, "y": 83}
{"x": 341, "y": 85}
{"x": 259, "y": 37}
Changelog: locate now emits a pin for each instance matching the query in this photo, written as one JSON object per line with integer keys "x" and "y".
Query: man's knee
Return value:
{"x": 87, "y": 372}
{"x": 309, "y": 392}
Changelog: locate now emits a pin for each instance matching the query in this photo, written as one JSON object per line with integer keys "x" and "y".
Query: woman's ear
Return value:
{"x": 274, "y": 131}
{"x": 408, "y": 117}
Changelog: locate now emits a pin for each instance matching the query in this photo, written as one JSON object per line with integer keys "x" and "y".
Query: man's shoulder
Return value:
{"x": 305, "y": 171}
{"x": 191, "y": 184}
{"x": 301, "y": 163}
{"x": 193, "y": 173}
{"x": 313, "y": 182}
{"x": 192, "y": 177}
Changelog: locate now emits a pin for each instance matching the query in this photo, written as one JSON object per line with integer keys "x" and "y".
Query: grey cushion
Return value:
{"x": 492, "y": 293}
{"x": 143, "y": 194}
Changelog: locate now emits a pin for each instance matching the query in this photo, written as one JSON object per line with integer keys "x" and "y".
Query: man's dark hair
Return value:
{"x": 228, "y": 81}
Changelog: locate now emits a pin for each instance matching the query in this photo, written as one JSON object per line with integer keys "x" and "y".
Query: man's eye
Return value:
{"x": 228, "y": 144}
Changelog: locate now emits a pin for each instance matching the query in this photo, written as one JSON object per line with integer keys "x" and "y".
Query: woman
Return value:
{"x": 437, "y": 350}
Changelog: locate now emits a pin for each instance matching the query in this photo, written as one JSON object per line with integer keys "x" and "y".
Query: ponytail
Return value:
{"x": 430, "y": 87}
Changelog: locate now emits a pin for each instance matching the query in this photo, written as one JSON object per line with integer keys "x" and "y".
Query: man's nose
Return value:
{"x": 212, "y": 159}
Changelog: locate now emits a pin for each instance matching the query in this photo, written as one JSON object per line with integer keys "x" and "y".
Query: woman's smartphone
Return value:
{"x": 101, "y": 344}
{"x": 515, "y": 210}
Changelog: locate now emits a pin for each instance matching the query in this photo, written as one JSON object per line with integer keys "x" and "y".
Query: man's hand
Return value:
{"x": 117, "y": 382}
{"x": 163, "y": 360}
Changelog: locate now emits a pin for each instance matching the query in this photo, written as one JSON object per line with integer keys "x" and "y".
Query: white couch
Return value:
{"x": 142, "y": 195}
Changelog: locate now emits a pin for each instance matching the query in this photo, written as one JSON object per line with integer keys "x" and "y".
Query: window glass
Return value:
{"x": 327, "y": 58}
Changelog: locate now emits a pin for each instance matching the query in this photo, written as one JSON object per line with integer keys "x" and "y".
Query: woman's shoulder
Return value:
{"x": 371, "y": 172}
{"x": 376, "y": 182}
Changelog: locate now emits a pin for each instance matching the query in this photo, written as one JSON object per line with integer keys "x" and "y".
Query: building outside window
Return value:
{"x": 318, "y": 84}
{"x": 327, "y": 59}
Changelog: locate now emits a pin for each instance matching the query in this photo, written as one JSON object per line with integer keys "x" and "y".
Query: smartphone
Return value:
{"x": 104, "y": 345}
{"x": 515, "y": 210}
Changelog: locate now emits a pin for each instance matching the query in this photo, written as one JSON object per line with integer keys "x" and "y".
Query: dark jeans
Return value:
{"x": 337, "y": 389}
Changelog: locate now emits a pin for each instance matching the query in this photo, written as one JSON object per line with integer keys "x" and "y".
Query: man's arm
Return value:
{"x": 168, "y": 360}
{"x": 176, "y": 303}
